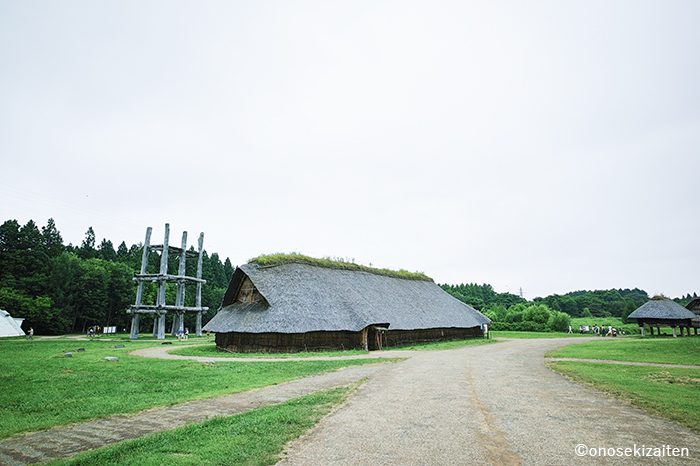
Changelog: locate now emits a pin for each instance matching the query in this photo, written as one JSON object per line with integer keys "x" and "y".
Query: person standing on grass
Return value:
{"x": 570, "y": 330}
{"x": 30, "y": 333}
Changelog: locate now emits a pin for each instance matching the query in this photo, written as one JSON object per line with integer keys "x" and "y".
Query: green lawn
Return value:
{"x": 443, "y": 345}
{"x": 253, "y": 438}
{"x": 672, "y": 393}
{"x": 210, "y": 350}
{"x": 41, "y": 388}
{"x": 630, "y": 328}
{"x": 685, "y": 350}
{"x": 513, "y": 334}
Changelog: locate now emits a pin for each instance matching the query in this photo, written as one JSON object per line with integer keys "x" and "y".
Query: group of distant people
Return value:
{"x": 610, "y": 331}
{"x": 183, "y": 334}
{"x": 93, "y": 331}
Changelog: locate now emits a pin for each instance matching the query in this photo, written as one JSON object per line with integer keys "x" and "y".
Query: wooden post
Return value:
{"x": 674, "y": 331}
{"x": 161, "y": 325}
{"x": 642, "y": 330}
{"x": 161, "y": 288}
{"x": 198, "y": 297}
{"x": 134, "y": 326}
{"x": 180, "y": 297}
{"x": 139, "y": 288}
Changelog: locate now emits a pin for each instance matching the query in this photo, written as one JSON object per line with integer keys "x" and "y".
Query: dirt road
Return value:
{"x": 491, "y": 404}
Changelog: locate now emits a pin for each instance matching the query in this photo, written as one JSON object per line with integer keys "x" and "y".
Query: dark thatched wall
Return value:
{"x": 404, "y": 337}
{"x": 311, "y": 341}
{"x": 287, "y": 342}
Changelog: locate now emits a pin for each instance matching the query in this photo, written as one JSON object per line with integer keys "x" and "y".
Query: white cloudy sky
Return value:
{"x": 548, "y": 145}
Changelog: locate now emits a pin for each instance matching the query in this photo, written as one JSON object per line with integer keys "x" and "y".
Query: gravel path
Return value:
{"x": 629, "y": 363}
{"x": 491, "y": 404}
{"x": 163, "y": 352}
{"x": 64, "y": 441}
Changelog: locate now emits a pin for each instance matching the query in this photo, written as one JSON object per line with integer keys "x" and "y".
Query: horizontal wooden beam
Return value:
{"x": 155, "y": 277}
{"x": 159, "y": 247}
{"x": 152, "y": 309}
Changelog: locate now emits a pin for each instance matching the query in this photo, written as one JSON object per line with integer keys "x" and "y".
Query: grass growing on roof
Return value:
{"x": 270, "y": 260}
{"x": 253, "y": 438}
{"x": 41, "y": 388}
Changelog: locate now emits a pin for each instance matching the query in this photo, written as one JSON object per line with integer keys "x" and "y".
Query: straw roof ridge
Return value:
{"x": 273, "y": 260}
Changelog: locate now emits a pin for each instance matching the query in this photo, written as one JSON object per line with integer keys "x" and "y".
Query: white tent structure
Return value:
{"x": 9, "y": 327}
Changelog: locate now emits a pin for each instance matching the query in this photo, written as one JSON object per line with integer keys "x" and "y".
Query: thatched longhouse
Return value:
{"x": 300, "y": 306}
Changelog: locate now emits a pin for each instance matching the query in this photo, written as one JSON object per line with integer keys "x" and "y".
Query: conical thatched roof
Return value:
{"x": 661, "y": 309}
{"x": 299, "y": 298}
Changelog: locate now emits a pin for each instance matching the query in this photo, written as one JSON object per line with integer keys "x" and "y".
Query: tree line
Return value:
{"x": 551, "y": 313}
{"x": 62, "y": 288}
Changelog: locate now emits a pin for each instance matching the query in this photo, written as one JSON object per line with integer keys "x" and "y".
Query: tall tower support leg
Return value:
{"x": 198, "y": 326}
{"x": 161, "y": 327}
{"x": 135, "y": 326}
{"x": 139, "y": 287}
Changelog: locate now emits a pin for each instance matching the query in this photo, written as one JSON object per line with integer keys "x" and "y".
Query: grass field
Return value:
{"x": 630, "y": 328}
{"x": 443, "y": 345}
{"x": 684, "y": 350}
{"x": 227, "y": 440}
{"x": 669, "y": 392}
{"x": 513, "y": 334}
{"x": 210, "y": 350}
{"x": 42, "y": 388}
{"x": 672, "y": 393}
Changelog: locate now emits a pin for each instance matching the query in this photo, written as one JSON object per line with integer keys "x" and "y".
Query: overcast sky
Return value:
{"x": 549, "y": 145}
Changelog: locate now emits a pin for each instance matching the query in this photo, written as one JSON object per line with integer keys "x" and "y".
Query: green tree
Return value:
{"x": 87, "y": 247}
{"x": 51, "y": 239}
{"x": 106, "y": 251}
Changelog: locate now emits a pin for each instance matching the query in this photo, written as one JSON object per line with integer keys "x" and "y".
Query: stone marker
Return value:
{"x": 80, "y": 350}
{"x": 167, "y": 343}
{"x": 111, "y": 358}
{"x": 119, "y": 346}
{"x": 68, "y": 355}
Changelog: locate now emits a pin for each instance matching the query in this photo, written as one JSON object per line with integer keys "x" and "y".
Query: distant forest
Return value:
{"x": 596, "y": 303}
{"x": 62, "y": 288}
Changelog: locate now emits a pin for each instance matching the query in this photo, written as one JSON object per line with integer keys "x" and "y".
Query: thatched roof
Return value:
{"x": 694, "y": 305}
{"x": 300, "y": 298}
{"x": 661, "y": 309}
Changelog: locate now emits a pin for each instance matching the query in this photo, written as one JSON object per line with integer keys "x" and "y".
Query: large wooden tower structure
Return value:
{"x": 160, "y": 308}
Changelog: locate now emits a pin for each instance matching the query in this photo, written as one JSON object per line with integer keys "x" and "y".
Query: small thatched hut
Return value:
{"x": 694, "y": 307}
{"x": 303, "y": 306}
{"x": 662, "y": 312}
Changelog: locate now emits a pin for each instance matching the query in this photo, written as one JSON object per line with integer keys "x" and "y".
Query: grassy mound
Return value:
{"x": 270, "y": 260}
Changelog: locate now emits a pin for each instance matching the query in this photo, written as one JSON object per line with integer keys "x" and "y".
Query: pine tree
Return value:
{"x": 51, "y": 239}
{"x": 106, "y": 250}
{"x": 87, "y": 248}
